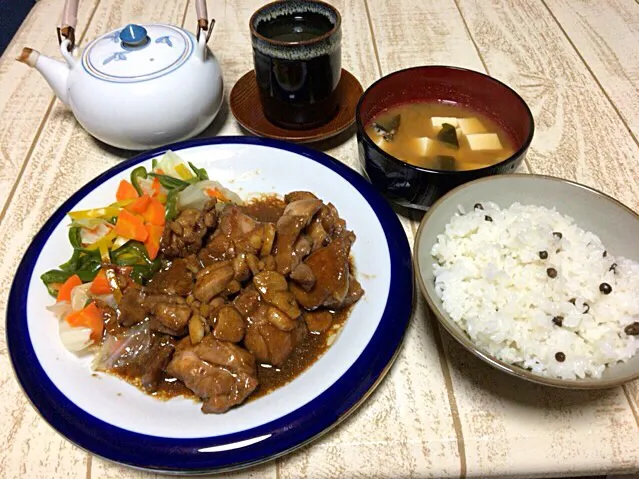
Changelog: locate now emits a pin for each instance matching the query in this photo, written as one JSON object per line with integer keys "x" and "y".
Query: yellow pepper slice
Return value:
{"x": 104, "y": 244}
{"x": 123, "y": 203}
{"x": 105, "y": 212}
{"x": 113, "y": 282}
{"x": 183, "y": 171}
{"x": 104, "y": 253}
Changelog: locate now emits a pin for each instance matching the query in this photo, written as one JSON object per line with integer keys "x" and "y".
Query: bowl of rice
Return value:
{"x": 538, "y": 276}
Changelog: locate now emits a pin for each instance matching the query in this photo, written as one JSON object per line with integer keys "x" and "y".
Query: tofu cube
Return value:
{"x": 484, "y": 141}
{"x": 470, "y": 126}
{"x": 438, "y": 121}
{"x": 423, "y": 145}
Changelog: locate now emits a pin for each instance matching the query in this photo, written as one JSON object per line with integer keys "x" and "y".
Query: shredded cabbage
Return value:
{"x": 108, "y": 299}
{"x": 91, "y": 235}
{"x": 75, "y": 339}
{"x": 80, "y": 296}
{"x": 147, "y": 186}
{"x": 87, "y": 222}
{"x": 192, "y": 197}
{"x": 196, "y": 195}
{"x": 172, "y": 165}
{"x": 61, "y": 309}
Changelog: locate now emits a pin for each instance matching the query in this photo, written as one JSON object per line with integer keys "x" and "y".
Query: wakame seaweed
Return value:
{"x": 448, "y": 136}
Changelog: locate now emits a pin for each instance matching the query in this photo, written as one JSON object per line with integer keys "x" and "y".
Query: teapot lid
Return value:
{"x": 138, "y": 53}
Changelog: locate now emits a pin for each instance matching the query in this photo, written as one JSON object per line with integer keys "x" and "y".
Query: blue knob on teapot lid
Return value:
{"x": 133, "y": 35}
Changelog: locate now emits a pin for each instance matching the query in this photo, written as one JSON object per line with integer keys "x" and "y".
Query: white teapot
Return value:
{"x": 136, "y": 87}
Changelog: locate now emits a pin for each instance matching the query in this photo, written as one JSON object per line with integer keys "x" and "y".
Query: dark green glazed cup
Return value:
{"x": 297, "y": 78}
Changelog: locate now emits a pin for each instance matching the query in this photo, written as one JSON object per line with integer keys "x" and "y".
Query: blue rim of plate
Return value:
{"x": 278, "y": 437}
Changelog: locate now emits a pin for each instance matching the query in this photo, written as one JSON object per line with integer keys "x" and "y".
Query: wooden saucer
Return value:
{"x": 247, "y": 110}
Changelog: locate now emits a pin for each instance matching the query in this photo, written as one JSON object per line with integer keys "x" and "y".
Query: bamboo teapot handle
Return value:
{"x": 69, "y": 20}
{"x": 203, "y": 20}
{"x": 68, "y": 23}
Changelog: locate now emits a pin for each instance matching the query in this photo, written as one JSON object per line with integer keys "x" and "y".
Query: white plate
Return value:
{"x": 115, "y": 420}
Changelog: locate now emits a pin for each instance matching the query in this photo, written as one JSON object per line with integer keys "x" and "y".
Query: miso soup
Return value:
{"x": 441, "y": 136}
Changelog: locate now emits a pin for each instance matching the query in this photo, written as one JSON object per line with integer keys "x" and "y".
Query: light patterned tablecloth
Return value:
{"x": 440, "y": 412}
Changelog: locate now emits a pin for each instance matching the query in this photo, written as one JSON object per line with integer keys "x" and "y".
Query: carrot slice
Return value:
{"x": 139, "y": 205}
{"x": 152, "y": 242}
{"x": 156, "y": 187}
{"x": 215, "y": 193}
{"x": 126, "y": 191}
{"x": 130, "y": 226}
{"x": 100, "y": 284}
{"x": 90, "y": 317}
{"x": 154, "y": 213}
{"x": 64, "y": 293}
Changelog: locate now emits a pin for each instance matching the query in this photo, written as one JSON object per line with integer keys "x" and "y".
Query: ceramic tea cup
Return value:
{"x": 297, "y": 57}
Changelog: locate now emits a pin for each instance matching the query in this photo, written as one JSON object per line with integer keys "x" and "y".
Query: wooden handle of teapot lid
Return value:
{"x": 68, "y": 22}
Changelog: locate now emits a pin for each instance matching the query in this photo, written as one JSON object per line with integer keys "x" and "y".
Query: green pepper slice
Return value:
{"x": 170, "y": 182}
{"x": 132, "y": 253}
{"x": 139, "y": 172}
{"x": 171, "y": 205}
{"x": 200, "y": 173}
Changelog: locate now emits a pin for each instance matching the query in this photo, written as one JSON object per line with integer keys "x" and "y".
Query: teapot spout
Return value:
{"x": 54, "y": 72}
